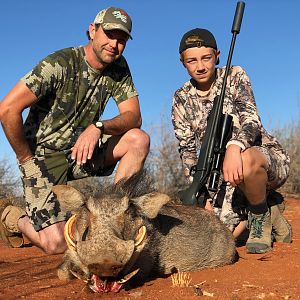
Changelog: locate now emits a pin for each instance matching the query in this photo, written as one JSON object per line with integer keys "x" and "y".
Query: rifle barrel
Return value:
{"x": 239, "y": 12}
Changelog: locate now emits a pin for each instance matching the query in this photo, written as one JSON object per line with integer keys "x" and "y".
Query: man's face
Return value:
{"x": 108, "y": 46}
{"x": 200, "y": 64}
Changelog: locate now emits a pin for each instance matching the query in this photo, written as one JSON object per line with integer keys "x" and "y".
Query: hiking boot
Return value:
{"x": 10, "y": 238}
{"x": 281, "y": 228}
{"x": 260, "y": 229}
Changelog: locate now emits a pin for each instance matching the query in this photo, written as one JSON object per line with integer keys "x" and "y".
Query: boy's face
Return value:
{"x": 201, "y": 64}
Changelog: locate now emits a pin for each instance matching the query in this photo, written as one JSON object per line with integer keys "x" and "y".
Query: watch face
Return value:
{"x": 99, "y": 124}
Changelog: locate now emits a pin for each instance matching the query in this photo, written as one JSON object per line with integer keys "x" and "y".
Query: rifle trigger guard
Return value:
{"x": 193, "y": 170}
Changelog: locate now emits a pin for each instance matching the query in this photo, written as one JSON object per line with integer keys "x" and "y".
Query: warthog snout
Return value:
{"x": 106, "y": 269}
{"x": 100, "y": 261}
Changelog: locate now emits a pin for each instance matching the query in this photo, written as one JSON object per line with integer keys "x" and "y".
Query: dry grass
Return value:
{"x": 181, "y": 279}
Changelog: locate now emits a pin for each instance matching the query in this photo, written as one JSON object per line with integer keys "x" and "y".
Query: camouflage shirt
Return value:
{"x": 71, "y": 94}
{"x": 190, "y": 112}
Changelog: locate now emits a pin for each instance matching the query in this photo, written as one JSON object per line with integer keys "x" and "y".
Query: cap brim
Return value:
{"x": 115, "y": 26}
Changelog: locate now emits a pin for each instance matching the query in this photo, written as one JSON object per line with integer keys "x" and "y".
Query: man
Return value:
{"x": 62, "y": 138}
{"x": 254, "y": 162}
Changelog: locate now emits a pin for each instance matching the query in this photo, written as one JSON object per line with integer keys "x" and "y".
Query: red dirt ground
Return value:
{"x": 27, "y": 273}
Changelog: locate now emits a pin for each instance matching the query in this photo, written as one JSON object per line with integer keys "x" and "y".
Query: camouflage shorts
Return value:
{"x": 229, "y": 200}
{"x": 48, "y": 168}
{"x": 278, "y": 166}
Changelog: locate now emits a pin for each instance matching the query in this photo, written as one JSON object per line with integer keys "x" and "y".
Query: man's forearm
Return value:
{"x": 122, "y": 123}
{"x": 13, "y": 127}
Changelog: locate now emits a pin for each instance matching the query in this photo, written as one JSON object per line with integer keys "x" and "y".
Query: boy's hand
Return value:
{"x": 233, "y": 165}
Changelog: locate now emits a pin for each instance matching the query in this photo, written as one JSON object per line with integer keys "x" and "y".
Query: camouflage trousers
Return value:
{"x": 48, "y": 168}
{"x": 230, "y": 203}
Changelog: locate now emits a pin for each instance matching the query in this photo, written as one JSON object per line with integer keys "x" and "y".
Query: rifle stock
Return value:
{"x": 217, "y": 134}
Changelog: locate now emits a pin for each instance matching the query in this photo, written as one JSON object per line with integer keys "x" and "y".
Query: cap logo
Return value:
{"x": 118, "y": 15}
{"x": 194, "y": 40}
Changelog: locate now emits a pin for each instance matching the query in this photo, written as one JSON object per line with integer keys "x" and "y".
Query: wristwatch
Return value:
{"x": 100, "y": 126}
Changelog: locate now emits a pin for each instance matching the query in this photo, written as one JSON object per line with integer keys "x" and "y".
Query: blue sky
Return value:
{"x": 267, "y": 47}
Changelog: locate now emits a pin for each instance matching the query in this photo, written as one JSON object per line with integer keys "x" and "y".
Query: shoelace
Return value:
{"x": 256, "y": 225}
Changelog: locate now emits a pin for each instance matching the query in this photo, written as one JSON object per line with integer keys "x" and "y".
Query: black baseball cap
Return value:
{"x": 197, "y": 37}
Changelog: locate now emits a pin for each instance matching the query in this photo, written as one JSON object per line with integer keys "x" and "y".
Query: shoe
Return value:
{"x": 260, "y": 229}
{"x": 11, "y": 239}
{"x": 281, "y": 228}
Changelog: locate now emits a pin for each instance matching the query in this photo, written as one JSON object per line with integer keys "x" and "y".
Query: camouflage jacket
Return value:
{"x": 71, "y": 95}
{"x": 190, "y": 112}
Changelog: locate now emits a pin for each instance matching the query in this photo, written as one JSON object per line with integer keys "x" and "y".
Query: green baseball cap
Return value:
{"x": 114, "y": 18}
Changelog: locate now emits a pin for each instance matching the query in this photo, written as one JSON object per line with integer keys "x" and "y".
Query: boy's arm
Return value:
{"x": 249, "y": 130}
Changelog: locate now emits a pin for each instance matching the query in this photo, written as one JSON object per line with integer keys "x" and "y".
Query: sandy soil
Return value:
{"x": 27, "y": 273}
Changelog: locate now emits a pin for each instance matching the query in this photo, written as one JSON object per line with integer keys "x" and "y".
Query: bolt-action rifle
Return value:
{"x": 206, "y": 173}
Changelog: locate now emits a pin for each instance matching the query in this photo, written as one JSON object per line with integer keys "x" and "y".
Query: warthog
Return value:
{"x": 125, "y": 233}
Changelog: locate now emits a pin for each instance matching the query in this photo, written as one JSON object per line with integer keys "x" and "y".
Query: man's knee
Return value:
{"x": 52, "y": 239}
{"x": 138, "y": 139}
{"x": 54, "y": 247}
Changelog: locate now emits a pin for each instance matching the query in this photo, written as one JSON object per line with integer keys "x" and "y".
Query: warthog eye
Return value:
{"x": 85, "y": 234}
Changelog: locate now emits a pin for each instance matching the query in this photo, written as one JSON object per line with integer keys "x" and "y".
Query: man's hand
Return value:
{"x": 85, "y": 144}
{"x": 233, "y": 165}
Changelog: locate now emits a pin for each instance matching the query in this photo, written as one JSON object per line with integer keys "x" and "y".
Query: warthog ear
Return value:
{"x": 124, "y": 204}
{"x": 68, "y": 197}
{"x": 150, "y": 204}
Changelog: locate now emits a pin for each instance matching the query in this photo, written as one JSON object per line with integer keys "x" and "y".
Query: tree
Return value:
{"x": 10, "y": 183}
{"x": 163, "y": 162}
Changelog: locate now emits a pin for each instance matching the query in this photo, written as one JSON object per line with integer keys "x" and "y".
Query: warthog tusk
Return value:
{"x": 141, "y": 236}
{"x": 127, "y": 277}
{"x": 77, "y": 276}
{"x": 139, "y": 244}
{"x": 70, "y": 240}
